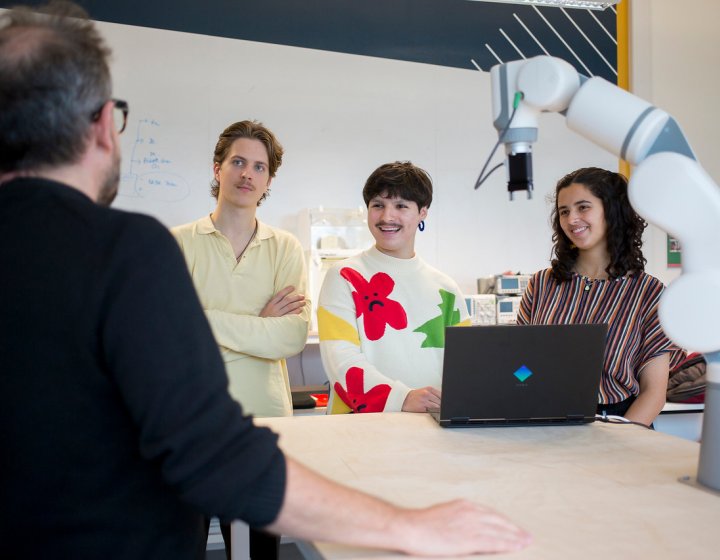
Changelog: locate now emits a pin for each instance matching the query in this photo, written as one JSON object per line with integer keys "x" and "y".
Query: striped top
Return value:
{"x": 628, "y": 305}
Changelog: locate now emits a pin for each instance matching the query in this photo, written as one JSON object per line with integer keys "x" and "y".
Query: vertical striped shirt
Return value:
{"x": 628, "y": 305}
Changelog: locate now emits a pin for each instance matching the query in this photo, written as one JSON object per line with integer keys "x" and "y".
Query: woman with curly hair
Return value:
{"x": 597, "y": 276}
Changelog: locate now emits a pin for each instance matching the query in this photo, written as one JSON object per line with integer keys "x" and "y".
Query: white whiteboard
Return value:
{"x": 338, "y": 116}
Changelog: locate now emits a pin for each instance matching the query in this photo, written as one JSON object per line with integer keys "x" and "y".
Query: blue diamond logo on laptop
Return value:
{"x": 522, "y": 373}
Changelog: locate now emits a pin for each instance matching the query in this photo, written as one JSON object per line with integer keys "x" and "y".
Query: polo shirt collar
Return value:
{"x": 206, "y": 226}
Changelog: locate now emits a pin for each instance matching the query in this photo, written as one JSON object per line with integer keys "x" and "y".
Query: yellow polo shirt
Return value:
{"x": 233, "y": 294}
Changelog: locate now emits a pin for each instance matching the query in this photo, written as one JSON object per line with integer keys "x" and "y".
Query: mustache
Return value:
{"x": 386, "y": 224}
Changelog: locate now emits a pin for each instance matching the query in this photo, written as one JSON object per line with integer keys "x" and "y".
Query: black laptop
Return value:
{"x": 521, "y": 375}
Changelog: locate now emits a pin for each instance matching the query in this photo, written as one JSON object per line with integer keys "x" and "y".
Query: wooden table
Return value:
{"x": 595, "y": 491}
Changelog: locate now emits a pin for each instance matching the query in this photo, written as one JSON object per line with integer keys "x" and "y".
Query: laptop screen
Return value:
{"x": 521, "y": 374}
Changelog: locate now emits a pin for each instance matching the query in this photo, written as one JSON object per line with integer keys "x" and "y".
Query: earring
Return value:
{"x": 421, "y": 225}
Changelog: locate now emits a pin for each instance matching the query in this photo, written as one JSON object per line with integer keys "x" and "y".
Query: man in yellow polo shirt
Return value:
{"x": 250, "y": 277}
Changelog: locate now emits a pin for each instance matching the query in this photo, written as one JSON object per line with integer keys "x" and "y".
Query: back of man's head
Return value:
{"x": 54, "y": 79}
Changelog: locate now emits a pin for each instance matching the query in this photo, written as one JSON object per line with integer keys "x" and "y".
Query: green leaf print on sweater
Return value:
{"x": 434, "y": 329}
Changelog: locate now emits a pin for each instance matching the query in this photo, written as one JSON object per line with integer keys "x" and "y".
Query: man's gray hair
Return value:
{"x": 54, "y": 78}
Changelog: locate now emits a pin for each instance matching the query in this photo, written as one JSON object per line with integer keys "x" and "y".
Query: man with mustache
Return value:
{"x": 250, "y": 278}
{"x": 382, "y": 314}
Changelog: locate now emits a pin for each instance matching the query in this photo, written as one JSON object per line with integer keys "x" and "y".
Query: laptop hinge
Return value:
{"x": 460, "y": 420}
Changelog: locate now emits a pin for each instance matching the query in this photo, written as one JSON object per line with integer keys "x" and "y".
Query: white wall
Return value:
{"x": 674, "y": 53}
{"x": 339, "y": 116}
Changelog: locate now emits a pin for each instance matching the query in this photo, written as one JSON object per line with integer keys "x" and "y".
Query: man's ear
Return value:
{"x": 423, "y": 212}
{"x": 104, "y": 128}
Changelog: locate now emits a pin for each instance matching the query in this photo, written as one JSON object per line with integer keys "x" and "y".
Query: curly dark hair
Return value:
{"x": 624, "y": 226}
{"x": 401, "y": 179}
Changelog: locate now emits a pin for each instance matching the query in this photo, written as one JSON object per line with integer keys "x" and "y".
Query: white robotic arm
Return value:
{"x": 668, "y": 188}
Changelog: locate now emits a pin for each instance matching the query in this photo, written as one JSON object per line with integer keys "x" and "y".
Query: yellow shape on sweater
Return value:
{"x": 337, "y": 406}
{"x": 332, "y": 327}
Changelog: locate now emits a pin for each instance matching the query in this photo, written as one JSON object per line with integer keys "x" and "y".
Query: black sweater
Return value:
{"x": 117, "y": 432}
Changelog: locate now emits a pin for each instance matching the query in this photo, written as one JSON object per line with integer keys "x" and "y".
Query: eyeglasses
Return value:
{"x": 120, "y": 113}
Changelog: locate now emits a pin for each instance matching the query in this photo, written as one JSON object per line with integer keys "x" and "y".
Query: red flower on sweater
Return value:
{"x": 372, "y": 302}
{"x": 356, "y": 397}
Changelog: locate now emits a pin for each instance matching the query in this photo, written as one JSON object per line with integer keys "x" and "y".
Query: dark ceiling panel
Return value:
{"x": 441, "y": 32}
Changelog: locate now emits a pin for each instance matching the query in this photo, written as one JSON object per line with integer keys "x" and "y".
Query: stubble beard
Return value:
{"x": 109, "y": 187}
